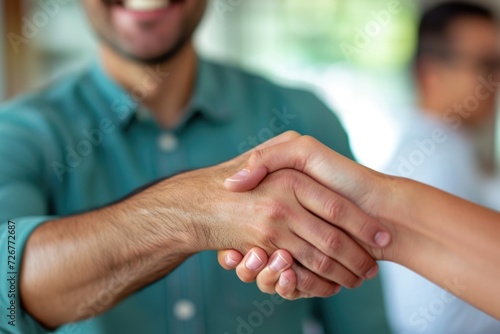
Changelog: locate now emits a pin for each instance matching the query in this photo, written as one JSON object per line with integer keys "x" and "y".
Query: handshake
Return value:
{"x": 318, "y": 224}
{"x": 303, "y": 221}
{"x": 296, "y": 217}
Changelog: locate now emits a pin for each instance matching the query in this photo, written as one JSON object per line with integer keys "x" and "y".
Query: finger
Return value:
{"x": 311, "y": 157}
{"x": 323, "y": 265}
{"x": 286, "y": 285}
{"x": 279, "y": 277}
{"x": 243, "y": 173}
{"x": 280, "y": 261}
{"x": 253, "y": 262}
{"x": 229, "y": 259}
{"x": 341, "y": 213}
{"x": 282, "y": 138}
{"x": 338, "y": 247}
{"x": 298, "y": 282}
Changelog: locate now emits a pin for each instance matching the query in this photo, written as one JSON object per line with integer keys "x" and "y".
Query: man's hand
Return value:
{"x": 343, "y": 176}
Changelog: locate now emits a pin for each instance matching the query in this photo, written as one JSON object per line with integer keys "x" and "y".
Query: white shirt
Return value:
{"x": 435, "y": 153}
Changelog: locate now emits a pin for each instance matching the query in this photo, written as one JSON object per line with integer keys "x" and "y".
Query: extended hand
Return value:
{"x": 353, "y": 186}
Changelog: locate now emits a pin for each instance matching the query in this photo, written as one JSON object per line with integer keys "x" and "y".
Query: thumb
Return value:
{"x": 250, "y": 177}
{"x": 246, "y": 179}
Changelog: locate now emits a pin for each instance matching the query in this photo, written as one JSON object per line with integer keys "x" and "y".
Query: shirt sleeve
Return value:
{"x": 23, "y": 207}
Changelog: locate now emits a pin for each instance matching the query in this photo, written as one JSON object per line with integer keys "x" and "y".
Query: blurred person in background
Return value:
{"x": 456, "y": 71}
{"x": 150, "y": 109}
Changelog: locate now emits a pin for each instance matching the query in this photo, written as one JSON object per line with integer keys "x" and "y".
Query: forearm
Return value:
{"x": 448, "y": 240}
{"x": 78, "y": 267}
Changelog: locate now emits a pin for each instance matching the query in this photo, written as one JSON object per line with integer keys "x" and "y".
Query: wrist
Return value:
{"x": 397, "y": 212}
{"x": 394, "y": 198}
{"x": 161, "y": 220}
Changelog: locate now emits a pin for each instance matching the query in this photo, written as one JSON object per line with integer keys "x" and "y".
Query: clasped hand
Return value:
{"x": 321, "y": 234}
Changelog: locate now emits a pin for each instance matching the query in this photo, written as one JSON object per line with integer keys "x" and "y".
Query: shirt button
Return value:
{"x": 184, "y": 310}
{"x": 168, "y": 142}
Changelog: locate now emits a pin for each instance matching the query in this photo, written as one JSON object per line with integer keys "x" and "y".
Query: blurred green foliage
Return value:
{"x": 367, "y": 33}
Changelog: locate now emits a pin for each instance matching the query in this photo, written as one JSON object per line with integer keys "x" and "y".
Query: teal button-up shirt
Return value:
{"x": 84, "y": 142}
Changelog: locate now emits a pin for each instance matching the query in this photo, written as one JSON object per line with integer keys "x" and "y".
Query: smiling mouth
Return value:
{"x": 142, "y": 5}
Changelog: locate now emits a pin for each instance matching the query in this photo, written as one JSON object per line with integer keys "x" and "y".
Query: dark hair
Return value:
{"x": 433, "y": 39}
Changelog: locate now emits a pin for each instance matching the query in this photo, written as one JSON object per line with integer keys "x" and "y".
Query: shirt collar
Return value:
{"x": 118, "y": 104}
{"x": 206, "y": 99}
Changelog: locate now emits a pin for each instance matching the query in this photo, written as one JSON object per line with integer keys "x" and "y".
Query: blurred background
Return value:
{"x": 319, "y": 44}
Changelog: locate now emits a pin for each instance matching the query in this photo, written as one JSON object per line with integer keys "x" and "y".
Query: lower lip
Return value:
{"x": 151, "y": 15}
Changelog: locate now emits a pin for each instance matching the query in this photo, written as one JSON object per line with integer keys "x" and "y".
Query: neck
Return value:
{"x": 441, "y": 111}
{"x": 164, "y": 88}
{"x": 431, "y": 110}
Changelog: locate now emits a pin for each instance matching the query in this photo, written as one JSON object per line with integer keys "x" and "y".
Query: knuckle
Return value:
{"x": 269, "y": 235}
{"x": 324, "y": 265}
{"x": 291, "y": 135}
{"x": 276, "y": 210}
{"x": 334, "y": 209}
{"x": 309, "y": 141}
{"x": 311, "y": 286}
{"x": 333, "y": 242}
{"x": 256, "y": 157}
{"x": 308, "y": 283}
{"x": 363, "y": 264}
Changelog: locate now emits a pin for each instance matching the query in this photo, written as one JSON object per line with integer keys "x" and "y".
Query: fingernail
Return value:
{"x": 278, "y": 263}
{"x": 240, "y": 176}
{"x": 372, "y": 272}
{"x": 382, "y": 239}
{"x": 253, "y": 262}
{"x": 230, "y": 262}
{"x": 283, "y": 281}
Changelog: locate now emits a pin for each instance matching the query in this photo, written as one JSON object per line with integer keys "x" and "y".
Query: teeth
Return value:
{"x": 145, "y": 5}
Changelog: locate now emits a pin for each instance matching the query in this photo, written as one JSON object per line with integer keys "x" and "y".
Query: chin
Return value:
{"x": 146, "y": 30}
{"x": 155, "y": 56}
{"x": 156, "y": 31}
